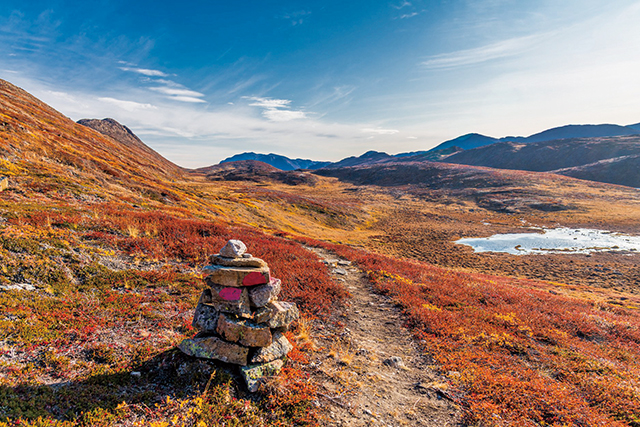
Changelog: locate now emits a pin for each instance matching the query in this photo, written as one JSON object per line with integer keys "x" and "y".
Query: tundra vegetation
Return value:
{"x": 101, "y": 249}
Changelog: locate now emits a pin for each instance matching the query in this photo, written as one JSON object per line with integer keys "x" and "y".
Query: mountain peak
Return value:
{"x": 122, "y": 134}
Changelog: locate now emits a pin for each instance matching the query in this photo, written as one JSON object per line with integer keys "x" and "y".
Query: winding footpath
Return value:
{"x": 375, "y": 374}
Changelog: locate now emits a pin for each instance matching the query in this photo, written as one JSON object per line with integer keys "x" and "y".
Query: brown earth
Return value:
{"x": 376, "y": 374}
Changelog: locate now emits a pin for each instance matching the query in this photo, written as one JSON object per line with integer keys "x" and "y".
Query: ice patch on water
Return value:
{"x": 555, "y": 240}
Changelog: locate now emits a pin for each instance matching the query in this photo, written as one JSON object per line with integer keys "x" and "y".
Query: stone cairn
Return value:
{"x": 239, "y": 317}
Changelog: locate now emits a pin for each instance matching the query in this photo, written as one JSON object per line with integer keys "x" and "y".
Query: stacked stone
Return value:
{"x": 239, "y": 316}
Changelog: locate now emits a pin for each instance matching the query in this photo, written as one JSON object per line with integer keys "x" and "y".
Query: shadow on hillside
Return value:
{"x": 170, "y": 373}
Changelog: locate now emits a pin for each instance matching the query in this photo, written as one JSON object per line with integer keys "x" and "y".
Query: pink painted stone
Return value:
{"x": 230, "y": 294}
{"x": 254, "y": 278}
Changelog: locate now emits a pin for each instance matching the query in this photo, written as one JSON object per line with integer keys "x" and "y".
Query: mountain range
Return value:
{"x": 606, "y": 153}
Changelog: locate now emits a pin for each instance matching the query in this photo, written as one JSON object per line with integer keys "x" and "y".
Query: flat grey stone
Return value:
{"x": 263, "y": 294}
{"x": 206, "y": 316}
{"x": 263, "y": 314}
{"x": 215, "y": 348}
{"x": 243, "y": 331}
{"x": 280, "y": 347}
{"x": 236, "y": 276}
{"x": 228, "y": 300}
{"x": 254, "y": 374}
{"x": 237, "y": 262}
{"x": 284, "y": 314}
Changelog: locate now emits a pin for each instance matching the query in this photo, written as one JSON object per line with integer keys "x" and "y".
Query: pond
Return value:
{"x": 555, "y": 240}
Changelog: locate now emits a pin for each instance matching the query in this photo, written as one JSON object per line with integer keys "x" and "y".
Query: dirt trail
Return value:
{"x": 375, "y": 375}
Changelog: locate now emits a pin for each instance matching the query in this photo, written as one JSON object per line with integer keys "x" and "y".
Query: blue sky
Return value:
{"x": 201, "y": 80}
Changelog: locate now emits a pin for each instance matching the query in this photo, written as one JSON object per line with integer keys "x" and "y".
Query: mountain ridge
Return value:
{"x": 121, "y": 133}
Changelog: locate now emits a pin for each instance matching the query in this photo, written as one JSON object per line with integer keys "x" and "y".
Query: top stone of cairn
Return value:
{"x": 233, "y": 249}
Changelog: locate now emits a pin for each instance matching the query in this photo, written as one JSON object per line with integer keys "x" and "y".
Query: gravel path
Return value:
{"x": 375, "y": 374}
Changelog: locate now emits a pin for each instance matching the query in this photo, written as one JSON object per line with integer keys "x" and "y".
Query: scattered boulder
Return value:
{"x": 18, "y": 287}
{"x": 395, "y": 362}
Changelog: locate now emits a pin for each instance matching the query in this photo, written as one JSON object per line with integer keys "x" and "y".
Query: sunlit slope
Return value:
{"x": 122, "y": 134}
{"x": 37, "y": 138}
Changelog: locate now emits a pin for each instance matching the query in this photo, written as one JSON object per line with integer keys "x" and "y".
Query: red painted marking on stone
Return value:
{"x": 254, "y": 278}
{"x": 230, "y": 294}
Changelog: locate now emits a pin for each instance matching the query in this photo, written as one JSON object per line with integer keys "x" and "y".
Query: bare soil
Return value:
{"x": 375, "y": 373}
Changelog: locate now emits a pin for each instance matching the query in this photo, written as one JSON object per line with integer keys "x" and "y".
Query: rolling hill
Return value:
{"x": 573, "y": 157}
{"x": 623, "y": 170}
{"x": 466, "y": 142}
{"x": 255, "y": 171}
{"x": 277, "y": 161}
{"x": 475, "y": 140}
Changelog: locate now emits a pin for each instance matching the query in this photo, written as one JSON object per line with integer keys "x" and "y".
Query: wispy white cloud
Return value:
{"x": 176, "y": 92}
{"x": 501, "y": 49}
{"x": 380, "y": 131}
{"x": 173, "y": 91}
{"x": 270, "y": 102}
{"x": 277, "y": 110}
{"x": 408, "y": 15}
{"x": 405, "y": 3}
{"x": 297, "y": 17}
{"x": 128, "y": 105}
{"x": 145, "y": 72}
{"x": 277, "y": 115}
{"x": 190, "y": 99}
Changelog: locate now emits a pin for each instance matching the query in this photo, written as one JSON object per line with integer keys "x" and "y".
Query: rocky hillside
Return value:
{"x": 124, "y": 135}
{"x": 36, "y": 138}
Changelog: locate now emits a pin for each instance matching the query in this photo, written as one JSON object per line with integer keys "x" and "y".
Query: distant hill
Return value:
{"x": 281, "y": 162}
{"x": 623, "y": 170}
{"x": 580, "y": 158}
{"x": 466, "y": 142}
{"x": 431, "y": 156}
{"x": 113, "y": 129}
{"x": 255, "y": 171}
{"x": 370, "y": 157}
{"x": 475, "y": 140}
{"x": 577, "y": 131}
{"x": 493, "y": 189}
